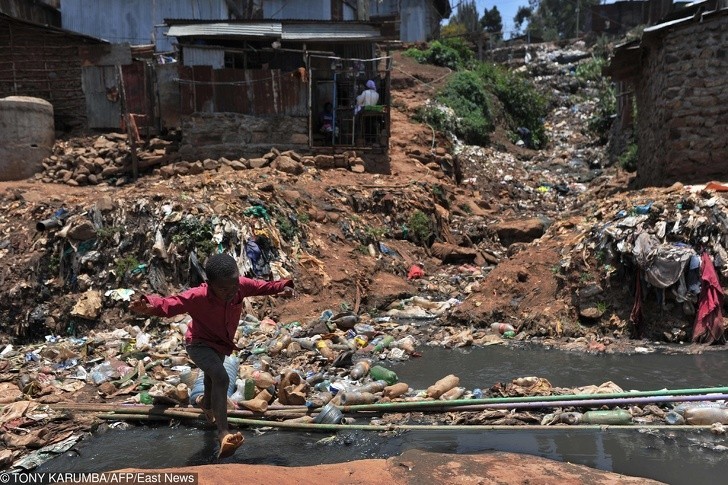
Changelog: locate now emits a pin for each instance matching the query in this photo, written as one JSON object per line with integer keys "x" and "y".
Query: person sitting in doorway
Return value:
{"x": 326, "y": 122}
{"x": 368, "y": 97}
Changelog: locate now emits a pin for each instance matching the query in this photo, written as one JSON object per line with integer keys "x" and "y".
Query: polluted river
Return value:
{"x": 676, "y": 455}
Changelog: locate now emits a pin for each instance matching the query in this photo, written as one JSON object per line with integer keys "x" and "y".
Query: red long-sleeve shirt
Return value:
{"x": 214, "y": 321}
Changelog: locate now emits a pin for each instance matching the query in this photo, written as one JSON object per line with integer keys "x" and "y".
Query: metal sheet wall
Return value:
{"x": 308, "y": 10}
{"x": 258, "y": 92}
{"x": 134, "y": 21}
{"x": 43, "y": 64}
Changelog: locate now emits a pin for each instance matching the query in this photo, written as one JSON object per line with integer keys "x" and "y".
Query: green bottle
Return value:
{"x": 612, "y": 416}
{"x": 379, "y": 373}
{"x": 385, "y": 343}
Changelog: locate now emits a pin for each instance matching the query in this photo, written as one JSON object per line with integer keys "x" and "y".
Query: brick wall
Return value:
{"x": 682, "y": 97}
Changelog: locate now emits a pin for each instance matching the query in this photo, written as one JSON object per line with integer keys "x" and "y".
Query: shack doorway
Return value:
{"x": 341, "y": 114}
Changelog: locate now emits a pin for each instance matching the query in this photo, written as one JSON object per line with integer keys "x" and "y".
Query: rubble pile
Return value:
{"x": 656, "y": 237}
{"x": 106, "y": 158}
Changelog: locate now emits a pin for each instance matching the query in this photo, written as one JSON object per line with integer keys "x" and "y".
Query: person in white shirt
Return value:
{"x": 368, "y": 97}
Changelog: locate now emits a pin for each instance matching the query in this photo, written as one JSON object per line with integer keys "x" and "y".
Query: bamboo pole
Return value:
{"x": 508, "y": 400}
{"x": 413, "y": 427}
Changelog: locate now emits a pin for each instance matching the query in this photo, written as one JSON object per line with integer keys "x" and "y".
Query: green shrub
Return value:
{"x": 606, "y": 110}
{"x": 451, "y": 53}
{"x": 524, "y": 106}
{"x": 591, "y": 70}
{"x": 419, "y": 226}
{"x": 470, "y": 118}
{"x": 416, "y": 54}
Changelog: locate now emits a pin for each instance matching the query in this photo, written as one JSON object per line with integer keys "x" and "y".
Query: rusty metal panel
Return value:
{"x": 186, "y": 90}
{"x": 204, "y": 96}
{"x": 259, "y": 92}
{"x": 138, "y": 95}
{"x": 101, "y": 89}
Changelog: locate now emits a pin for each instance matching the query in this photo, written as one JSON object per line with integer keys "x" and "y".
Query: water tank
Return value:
{"x": 26, "y": 136}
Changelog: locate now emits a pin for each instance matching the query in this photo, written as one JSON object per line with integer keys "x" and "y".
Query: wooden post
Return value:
{"x": 128, "y": 122}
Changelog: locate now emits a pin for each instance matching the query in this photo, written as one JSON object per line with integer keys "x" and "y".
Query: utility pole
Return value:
{"x": 578, "y": 5}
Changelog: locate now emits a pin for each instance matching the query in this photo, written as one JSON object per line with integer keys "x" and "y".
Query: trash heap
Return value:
{"x": 653, "y": 243}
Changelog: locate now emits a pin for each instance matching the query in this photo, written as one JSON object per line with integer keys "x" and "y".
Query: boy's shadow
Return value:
{"x": 208, "y": 453}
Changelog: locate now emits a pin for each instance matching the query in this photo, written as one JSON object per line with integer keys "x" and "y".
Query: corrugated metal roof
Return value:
{"x": 216, "y": 29}
{"x": 330, "y": 32}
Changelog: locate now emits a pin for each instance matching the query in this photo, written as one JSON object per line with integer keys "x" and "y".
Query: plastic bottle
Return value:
{"x": 263, "y": 380}
{"x": 361, "y": 340}
{"x": 351, "y": 398}
{"x": 279, "y": 345}
{"x": 255, "y": 404}
{"x": 373, "y": 387}
{"x": 360, "y": 370}
{"x": 313, "y": 378}
{"x": 442, "y": 386}
{"x": 395, "y": 390}
{"x": 407, "y": 344}
{"x": 477, "y": 393}
{"x": 319, "y": 400}
{"x": 323, "y": 385}
{"x": 381, "y": 373}
{"x": 239, "y": 394}
{"x": 385, "y": 343}
{"x": 502, "y": 328}
{"x": 365, "y": 329}
{"x": 324, "y": 349}
{"x": 452, "y": 394}
{"x": 703, "y": 415}
{"x": 612, "y": 416}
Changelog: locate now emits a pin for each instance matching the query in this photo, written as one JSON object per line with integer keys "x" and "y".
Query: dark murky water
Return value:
{"x": 670, "y": 456}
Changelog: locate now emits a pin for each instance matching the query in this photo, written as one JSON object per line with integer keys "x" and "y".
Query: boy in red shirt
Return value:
{"x": 215, "y": 308}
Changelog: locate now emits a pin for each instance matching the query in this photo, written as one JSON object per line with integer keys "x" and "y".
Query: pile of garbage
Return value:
{"x": 668, "y": 247}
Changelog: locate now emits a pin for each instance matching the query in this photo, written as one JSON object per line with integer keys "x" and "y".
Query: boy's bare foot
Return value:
{"x": 229, "y": 443}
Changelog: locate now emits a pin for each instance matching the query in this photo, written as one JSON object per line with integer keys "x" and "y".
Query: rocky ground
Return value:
{"x": 519, "y": 240}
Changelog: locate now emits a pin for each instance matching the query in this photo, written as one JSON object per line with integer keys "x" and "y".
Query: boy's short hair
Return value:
{"x": 220, "y": 267}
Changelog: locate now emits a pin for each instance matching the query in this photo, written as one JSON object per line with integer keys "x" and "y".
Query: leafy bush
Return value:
{"x": 419, "y": 225}
{"x": 606, "y": 110}
{"x": 591, "y": 70}
{"x": 451, "y": 53}
{"x": 523, "y": 104}
{"x": 464, "y": 109}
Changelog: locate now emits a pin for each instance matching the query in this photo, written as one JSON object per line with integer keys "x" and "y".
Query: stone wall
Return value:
{"x": 682, "y": 103}
{"x": 233, "y": 135}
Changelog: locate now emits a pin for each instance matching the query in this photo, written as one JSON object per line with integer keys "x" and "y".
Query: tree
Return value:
{"x": 523, "y": 14}
{"x": 492, "y": 23}
{"x": 467, "y": 15}
{"x": 554, "y": 19}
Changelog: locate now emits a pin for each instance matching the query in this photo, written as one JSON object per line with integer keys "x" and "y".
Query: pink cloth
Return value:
{"x": 214, "y": 321}
{"x": 708, "y": 326}
{"x": 415, "y": 272}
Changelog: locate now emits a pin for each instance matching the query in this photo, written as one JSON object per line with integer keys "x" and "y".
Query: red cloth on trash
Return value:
{"x": 708, "y": 326}
{"x": 637, "y": 316}
{"x": 415, "y": 272}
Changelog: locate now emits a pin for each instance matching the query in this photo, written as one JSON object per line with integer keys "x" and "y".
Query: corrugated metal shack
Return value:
{"x": 277, "y": 74}
{"x": 136, "y": 21}
{"x": 35, "y": 11}
{"x": 44, "y": 62}
{"x": 142, "y": 21}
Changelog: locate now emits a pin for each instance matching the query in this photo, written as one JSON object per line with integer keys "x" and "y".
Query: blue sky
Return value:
{"x": 507, "y": 9}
